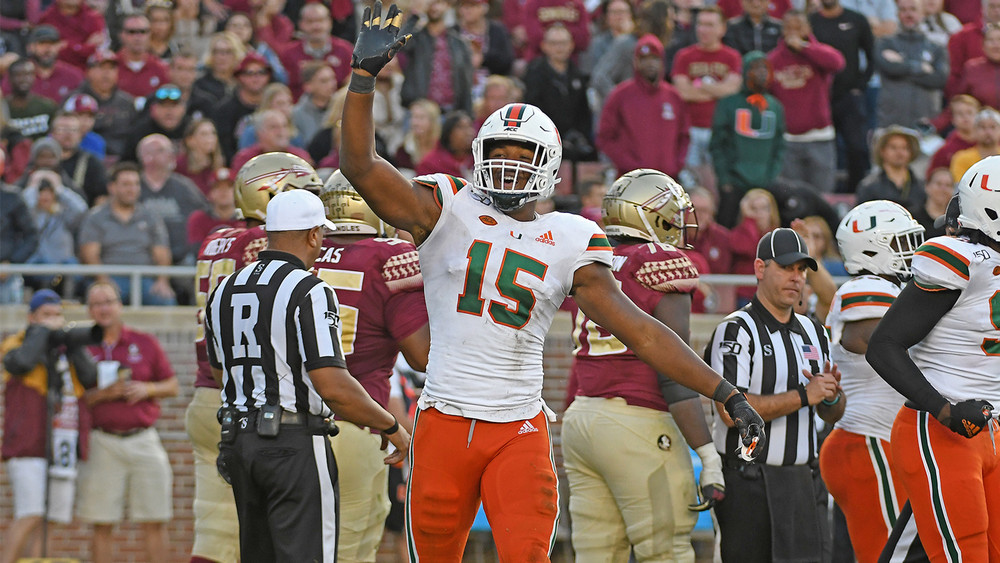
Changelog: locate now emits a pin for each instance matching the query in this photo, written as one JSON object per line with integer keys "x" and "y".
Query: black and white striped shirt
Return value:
{"x": 266, "y": 326}
{"x": 760, "y": 355}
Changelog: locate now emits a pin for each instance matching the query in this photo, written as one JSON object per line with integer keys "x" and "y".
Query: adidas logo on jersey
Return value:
{"x": 527, "y": 428}
{"x": 546, "y": 238}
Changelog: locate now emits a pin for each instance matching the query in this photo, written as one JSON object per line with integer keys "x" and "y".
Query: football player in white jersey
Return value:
{"x": 495, "y": 272}
{"x": 877, "y": 240}
{"x": 939, "y": 346}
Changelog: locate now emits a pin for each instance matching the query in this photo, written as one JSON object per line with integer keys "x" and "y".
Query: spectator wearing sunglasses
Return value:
{"x": 167, "y": 116}
{"x": 140, "y": 72}
{"x": 252, "y": 76}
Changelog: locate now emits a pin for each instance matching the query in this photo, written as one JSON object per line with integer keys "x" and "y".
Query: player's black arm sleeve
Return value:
{"x": 907, "y": 322}
{"x": 674, "y": 392}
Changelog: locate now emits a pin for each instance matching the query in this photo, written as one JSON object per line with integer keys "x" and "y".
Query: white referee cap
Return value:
{"x": 296, "y": 210}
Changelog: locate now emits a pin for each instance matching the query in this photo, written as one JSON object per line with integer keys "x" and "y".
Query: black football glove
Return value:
{"x": 750, "y": 425}
{"x": 968, "y": 418}
{"x": 378, "y": 43}
{"x": 711, "y": 495}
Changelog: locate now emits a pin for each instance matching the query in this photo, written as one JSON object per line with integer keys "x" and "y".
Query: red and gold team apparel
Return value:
{"x": 493, "y": 285}
{"x": 380, "y": 293}
{"x": 619, "y": 413}
{"x": 216, "y": 523}
{"x": 603, "y": 366}
{"x": 222, "y": 253}
{"x": 856, "y": 460}
{"x": 953, "y": 482}
{"x": 381, "y": 302}
{"x": 139, "y": 357}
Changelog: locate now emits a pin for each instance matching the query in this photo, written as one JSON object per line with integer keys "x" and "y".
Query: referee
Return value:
{"x": 273, "y": 338}
{"x": 775, "y": 510}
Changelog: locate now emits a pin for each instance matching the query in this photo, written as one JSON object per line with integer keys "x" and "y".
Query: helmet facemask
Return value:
{"x": 879, "y": 237}
{"x": 510, "y": 184}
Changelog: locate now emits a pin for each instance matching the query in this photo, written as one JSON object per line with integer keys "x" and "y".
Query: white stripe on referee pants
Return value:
{"x": 328, "y": 498}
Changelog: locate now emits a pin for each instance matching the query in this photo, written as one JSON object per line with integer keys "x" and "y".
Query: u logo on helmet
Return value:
{"x": 855, "y": 226}
{"x": 984, "y": 184}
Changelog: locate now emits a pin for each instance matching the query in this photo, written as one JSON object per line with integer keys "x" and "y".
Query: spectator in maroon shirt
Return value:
{"x": 981, "y": 75}
{"x": 271, "y": 26}
{"x": 200, "y": 156}
{"x": 967, "y": 11}
{"x": 79, "y": 25}
{"x": 539, "y": 15}
{"x": 316, "y": 44}
{"x": 274, "y": 134}
{"x": 221, "y": 213}
{"x": 734, "y": 8}
{"x": 453, "y": 154}
{"x": 967, "y": 44}
{"x": 704, "y": 73}
{"x": 140, "y": 72}
{"x": 54, "y": 79}
{"x": 963, "y": 109}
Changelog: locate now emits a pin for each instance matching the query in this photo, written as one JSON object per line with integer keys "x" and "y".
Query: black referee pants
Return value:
{"x": 287, "y": 496}
{"x": 749, "y": 514}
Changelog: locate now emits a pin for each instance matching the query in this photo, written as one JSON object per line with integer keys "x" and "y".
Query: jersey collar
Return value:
{"x": 772, "y": 324}
{"x": 281, "y": 255}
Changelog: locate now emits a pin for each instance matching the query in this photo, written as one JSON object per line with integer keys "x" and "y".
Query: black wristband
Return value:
{"x": 803, "y": 395}
{"x": 392, "y": 429}
{"x": 361, "y": 84}
{"x": 722, "y": 391}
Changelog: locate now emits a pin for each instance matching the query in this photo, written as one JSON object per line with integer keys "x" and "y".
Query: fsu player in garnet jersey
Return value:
{"x": 216, "y": 526}
{"x": 622, "y": 409}
{"x": 382, "y": 312}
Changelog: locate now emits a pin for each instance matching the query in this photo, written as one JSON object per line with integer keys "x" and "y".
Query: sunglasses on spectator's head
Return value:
{"x": 137, "y": 31}
{"x": 168, "y": 93}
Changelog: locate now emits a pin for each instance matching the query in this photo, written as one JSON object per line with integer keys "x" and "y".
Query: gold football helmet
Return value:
{"x": 349, "y": 211}
{"x": 649, "y": 205}
{"x": 268, "y": 174}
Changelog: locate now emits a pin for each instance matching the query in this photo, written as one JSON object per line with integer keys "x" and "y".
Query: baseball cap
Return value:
{"x": 296, "y": 210}
{"x": 785, "y": 247}
{"x": 950, "y": 217}
{"x": 44, "y": 34}
{"x": 43, "y": 297}
{"x": 101, "y": 56}
{"x": 253, "y": 57}
{"x": 81, "y": 103}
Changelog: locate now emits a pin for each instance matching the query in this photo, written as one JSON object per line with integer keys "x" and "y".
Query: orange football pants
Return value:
{"x": 954, "y": 487}
{"x": 858, "y": 473}
{"x": 457, "y": 461}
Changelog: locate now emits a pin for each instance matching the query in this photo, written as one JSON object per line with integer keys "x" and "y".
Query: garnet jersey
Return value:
{"x": 872, "y": 404}
{"x": 604, "y": 367}
{"x": 381, "y": 299}
{"x": 961, "y": 355}
{"x": 222, "y": 253}
{"x": 493, "y": 286}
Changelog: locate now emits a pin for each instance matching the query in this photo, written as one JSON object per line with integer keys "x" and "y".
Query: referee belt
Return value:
{"x": 288, "y": 418}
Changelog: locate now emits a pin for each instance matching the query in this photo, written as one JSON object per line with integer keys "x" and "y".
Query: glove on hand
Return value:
{"x": 968, "y": 418}
{"x": 377, "y": 44}
{"x": 749, "y": 423}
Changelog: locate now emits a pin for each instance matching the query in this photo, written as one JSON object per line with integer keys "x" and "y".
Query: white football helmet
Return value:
{"x": 521, "y": 123}
{"x": 349, "y": 211}
{"x": 879, "y": 237}
{"x": 650, "y": 205}
{"x": 979, "y": 198}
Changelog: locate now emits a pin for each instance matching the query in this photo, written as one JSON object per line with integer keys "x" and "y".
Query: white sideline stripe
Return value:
{"x": 328, "y": 499}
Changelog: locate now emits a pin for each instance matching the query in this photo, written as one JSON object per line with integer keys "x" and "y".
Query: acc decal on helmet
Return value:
{"x": 649, "y": 205}
{"x": 879, "y": 237}
{"x": 268, "y": 174}
{"x": 349, "y": 211}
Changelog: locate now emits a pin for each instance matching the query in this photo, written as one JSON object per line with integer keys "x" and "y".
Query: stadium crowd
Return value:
{"x": 821, "y": 104}
{"x": 123, "y": 125}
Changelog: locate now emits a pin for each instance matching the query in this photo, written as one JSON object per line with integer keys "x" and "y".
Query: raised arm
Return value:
{"x": 393, "y": 198}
